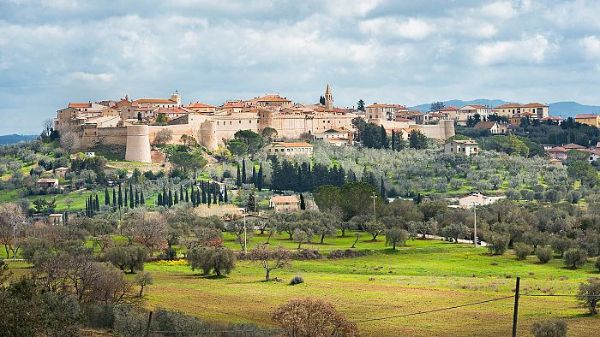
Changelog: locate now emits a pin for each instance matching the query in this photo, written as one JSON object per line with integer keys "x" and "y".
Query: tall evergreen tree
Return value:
{"x": 251, "y": 202}
{"x": 384, "y": 138}
{"x": 204, "y": 194}
{"x": 225, "y": 197}
{"x": 382, "y": 191}
{"x": 259, "y": 178}
{"x": 106, "y": 197}
{"x": 187, "y": 195}
{"x": 170, "y": 198}
{"x": 125, "y": 198}
{"x": 97, "y": 203}
{"x": 238, "y": 178}
{"x": 137, "y": 197}
{"x": 193, "y": 197}
{"x": 142, "y": 199}
{"x": 131, "y": 197}
{"x": 176, "y": 200}
{"x": 114, "y": 200}
{"x": 120, "y": 201}
{"x": 302, "y": 204}
{"x": 253, "y": 175}
{"x": 159, "y": 200}
{"x": 244, "y": 171}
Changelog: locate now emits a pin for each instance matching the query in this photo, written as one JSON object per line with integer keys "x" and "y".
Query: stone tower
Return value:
{"x": 328, "y": 99}
{"x": 176, "y": 96}
{"x": 138, "y": 144}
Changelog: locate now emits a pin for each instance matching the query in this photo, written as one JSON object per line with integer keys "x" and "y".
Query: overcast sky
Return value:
{"x": 407, "y": 52}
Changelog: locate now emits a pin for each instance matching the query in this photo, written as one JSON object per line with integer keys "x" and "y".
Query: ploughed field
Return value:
{"x": 424, "y": 275}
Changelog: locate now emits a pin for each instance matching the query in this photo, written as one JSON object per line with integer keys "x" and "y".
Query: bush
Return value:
{"x": 575, "y": 258}
{"x": 296, "y": 280}
{"x": 348, "y": 253}
{"x": 551, "y": 328}
{"x": 544, "y": 254}
{"x": 306, "y": 254}
{"x": 498, "y": 243}
{"x": 589, "y": 295}
{"x": 522, "y": 250}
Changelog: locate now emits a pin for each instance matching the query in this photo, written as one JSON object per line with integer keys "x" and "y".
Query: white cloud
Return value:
{"x": 532, "y": 50}
{"x": 591, "y": 46}
{"x": 91, "y": 77}
{"x": 411, "y": 28}
{"x": 499, "y": 9}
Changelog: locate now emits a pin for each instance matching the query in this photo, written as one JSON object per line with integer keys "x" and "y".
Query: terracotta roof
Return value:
{"x": 585, "y": 116}
{"x": 172, "y": 110}
{"x": 76, "y": 105}
{"x": 154, "y": 101}
{"x": 233, "y": 104}
{"x": 271, "y": 98}
{"x": 199, "y": 105}
{"x": 509, "y": 105}
{"x": 385, "y": 105}
{"x": 449, "y": 108}
{"x": 535, "y": 105}
{"x": 284, "y": 199}
{"x": 572, "y": 146}
{"x": 485, "y": 125}
{"x": 292, "y": 144}
{"x": 557, "y": 149}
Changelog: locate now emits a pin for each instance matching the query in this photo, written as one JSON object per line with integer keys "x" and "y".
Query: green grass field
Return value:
{"x": 425, "y": 275}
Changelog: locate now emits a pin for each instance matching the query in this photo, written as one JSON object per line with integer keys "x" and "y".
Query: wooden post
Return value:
{"x": 516, "y": 308}
{"x": 148, "y": 326}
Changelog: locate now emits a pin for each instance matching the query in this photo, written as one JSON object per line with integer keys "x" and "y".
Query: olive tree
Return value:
{"x": 396, "y": 236}
{"x": 270, "y": 259}
{"x": 589, "y": 295}
{"x": 217, "y": 260}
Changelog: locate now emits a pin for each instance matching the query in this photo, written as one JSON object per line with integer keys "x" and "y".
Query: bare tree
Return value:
{"x": 69, "y": 141}
{"x": 270, "y": 259}
{"x": 312, "y": 318}
{"x": 12, "y": 223}
{"x": 146, "y": 228}
{"x": 163, "y": 137}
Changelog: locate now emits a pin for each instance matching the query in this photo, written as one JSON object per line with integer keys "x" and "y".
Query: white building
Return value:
{"x": 468, "y": 147}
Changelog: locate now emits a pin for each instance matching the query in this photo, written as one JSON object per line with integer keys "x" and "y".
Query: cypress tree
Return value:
{"x": 125, "y": 198}
{"x": 393, "y": 140}
{"x": 106, "y": 197}
{"x": 170, "y": 198}
{"x": 302, "y": 204}
{"x": 131, "y": 197}
{"x": 259, "y": 178}
{"x": 114, "y": 200}
{"x": 137, "y": 198}
{"x": 97, "y": 203}
{"x": 215, "y": 192}
{"x": 176, "y": 201}
{"x": 253, "y": 175}
{"x": 120, "y": 196}
{"x": 193, "y": 197}
{"x": 208, "y": 201}
{"x": 238, "y": 178}
{"x": 243, "y": 171}
{"x": 159, "y": 200}
{"x": 187, "y": 195}
{"x": 181, "y": 193}
{"x": 142, "y": 199}
{"x": 225, "y": 197}
{"x": 382, "y": 190}
{"x": 220, "y": 197}
{"x": 203, "y": 194}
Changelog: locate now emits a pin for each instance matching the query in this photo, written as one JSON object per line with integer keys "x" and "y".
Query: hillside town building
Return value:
{"x": 134, "y": 124}
{"x": 467, "y": 147}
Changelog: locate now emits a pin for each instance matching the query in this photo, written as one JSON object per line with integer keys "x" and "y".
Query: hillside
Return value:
{"x": 14, "y": 138}
{"x": 563, "y": 109}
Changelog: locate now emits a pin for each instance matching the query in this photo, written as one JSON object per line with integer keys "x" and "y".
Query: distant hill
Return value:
{"x": 570, "y": 109}
{"x": 563, "y": 109}
{"x": 14, "y": 139}
{"x": 458, "y": 103}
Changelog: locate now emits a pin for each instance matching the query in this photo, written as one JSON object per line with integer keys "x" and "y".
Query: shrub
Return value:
{"x": 312, "y": 317}
{"x": 522, "y": 250}
{"x": 348, "y": 253}
{"x": 296, "y": 280}
{"x": 551, "y": 328}
{"x": 498, "y": 243}
{"x": 575, "y": 258}
{"x": 544, "y": 254}
{"x": 306, "y": 254}
{"x": 589, "y": 295}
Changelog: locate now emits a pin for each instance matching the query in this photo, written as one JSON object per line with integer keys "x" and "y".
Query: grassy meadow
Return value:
{"x": 424, "y": 275}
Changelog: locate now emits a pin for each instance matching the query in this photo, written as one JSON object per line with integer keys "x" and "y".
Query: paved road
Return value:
{"x": 482, "y": 243}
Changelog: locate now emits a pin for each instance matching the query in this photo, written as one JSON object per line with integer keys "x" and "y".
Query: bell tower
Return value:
{"x": 328, "y": 99}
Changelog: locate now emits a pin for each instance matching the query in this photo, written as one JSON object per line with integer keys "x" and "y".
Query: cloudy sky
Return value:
{"x": 407, "y": 52}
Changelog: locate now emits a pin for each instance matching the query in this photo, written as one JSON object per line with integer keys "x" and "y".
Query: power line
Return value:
{"x": 433, "y": 310}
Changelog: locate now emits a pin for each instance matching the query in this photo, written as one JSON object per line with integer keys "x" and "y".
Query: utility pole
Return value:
{"x": 245, "y": 233}
{"x": 475, "y": 224}
{"x": 516, "y": 308}
{"x": 374, "y": 197}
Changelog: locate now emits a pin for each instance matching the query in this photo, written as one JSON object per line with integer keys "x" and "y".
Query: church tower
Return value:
{"x": 328, "y": 99}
